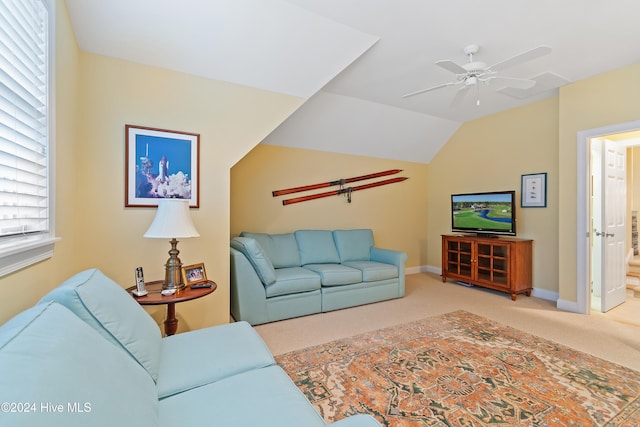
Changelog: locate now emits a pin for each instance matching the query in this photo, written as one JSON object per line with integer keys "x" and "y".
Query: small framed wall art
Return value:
{"x": 161, "y": 164}
{"x": 534, "y": 190}
{"x": 193, "y": 274}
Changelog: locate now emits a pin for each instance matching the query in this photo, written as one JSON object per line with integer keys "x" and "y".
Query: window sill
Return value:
{"x": 17, "y": 255}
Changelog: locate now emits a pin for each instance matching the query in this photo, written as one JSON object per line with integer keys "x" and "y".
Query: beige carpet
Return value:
{"x": 600, "y": 335}
{"x": 629, "y": 312}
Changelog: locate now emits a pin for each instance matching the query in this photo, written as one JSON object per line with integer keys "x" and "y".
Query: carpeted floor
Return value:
{"x": 601, "y": 335}
{"x": 461, "y": 369}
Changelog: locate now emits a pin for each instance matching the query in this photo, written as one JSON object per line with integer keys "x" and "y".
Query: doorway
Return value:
{"x": 602, "y": 241}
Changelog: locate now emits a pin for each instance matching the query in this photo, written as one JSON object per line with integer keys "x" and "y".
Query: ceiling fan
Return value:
{"x": 473, "y": 72}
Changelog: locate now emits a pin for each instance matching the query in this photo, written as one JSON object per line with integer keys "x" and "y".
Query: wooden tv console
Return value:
{"x": 502, "y": 263}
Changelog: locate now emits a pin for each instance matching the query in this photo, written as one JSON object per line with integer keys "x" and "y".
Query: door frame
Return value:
{"x": 583, "y": 213}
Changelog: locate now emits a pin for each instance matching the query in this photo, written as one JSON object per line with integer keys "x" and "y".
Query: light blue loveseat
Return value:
{"x": 89, "y": 355}
{"x": 279, "y": 276}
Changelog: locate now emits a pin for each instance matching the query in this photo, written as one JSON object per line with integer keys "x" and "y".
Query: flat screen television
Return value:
{"x": 491, "y": 213}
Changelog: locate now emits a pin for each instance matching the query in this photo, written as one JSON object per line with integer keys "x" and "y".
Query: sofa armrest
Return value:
{"x": 359, "y": 420}
{"x": 389, "y": 256}
{"x": 248, "y": 295}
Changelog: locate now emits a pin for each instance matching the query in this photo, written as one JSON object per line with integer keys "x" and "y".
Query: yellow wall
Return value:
{"x": 397, "y": 213}
{"x": 607, "y": 99}
{"x": 96, "y": 97}
{"x": 115, "y": 93}
{"x": 491, "y": 154}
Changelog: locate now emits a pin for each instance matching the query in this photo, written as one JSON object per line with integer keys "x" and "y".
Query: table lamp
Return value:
{"x": 172, "y": 221}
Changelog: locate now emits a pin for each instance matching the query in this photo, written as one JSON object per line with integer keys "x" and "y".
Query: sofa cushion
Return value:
{"x": 282, "y": 249}
{"x": 293, "y": 280}
{"x": 353, "y": 245}
{"x": 262, "y": 397}
{"x": 257, "y": 257}
{"x": 336, "y": 274}
{"x": 317, "y": 247}
{"x": 111, "y": 311}
{"x": 51, "y": 359}
{"x": 203, "y": 356}
{"x": 373, "y": 271}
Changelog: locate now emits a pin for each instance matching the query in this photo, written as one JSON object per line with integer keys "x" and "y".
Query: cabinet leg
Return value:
{"x": 513, "y": 297}
{"x": 528, "y": 293}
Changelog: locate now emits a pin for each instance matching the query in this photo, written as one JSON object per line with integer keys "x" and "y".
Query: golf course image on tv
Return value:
{"x": 482, "y": 211}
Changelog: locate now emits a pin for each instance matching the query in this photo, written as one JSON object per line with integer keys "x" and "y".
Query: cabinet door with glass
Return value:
{"x": 493, "y": 264}
{"x": 458, "y": 261}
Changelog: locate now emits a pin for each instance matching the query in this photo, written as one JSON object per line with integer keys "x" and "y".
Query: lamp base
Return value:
{"x": 173, "y": 269}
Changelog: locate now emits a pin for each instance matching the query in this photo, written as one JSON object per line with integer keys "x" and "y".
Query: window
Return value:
{"x": 26, "y": 226}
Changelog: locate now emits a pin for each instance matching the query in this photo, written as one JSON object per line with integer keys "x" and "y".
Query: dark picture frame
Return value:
{"x": 193, "y": 274}
{"x": 533, "y": 193}
{"x": 161, "y": 164}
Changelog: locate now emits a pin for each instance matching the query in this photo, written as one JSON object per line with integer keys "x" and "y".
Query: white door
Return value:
{"x": 597, "y": 243}
{"x": 614, "y": 195}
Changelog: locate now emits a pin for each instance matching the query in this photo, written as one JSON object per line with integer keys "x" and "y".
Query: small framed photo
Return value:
{"x": 160, "y": 164}
{"x": 192, "y": 274}
{"x": 534, "y": 190}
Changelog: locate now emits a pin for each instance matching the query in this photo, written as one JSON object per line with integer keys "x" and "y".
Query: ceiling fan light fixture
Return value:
{"x": 475, "y": 67}
{"x": 473, "y": 72}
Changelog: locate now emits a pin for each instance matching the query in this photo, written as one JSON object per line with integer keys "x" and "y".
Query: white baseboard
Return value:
{"x": 413, "y": 270}
{"x": 423, "y": 269}
{"x": 545, "y": 294}
{"x": 538, "y": 293}
{"x": 565, "y": 305}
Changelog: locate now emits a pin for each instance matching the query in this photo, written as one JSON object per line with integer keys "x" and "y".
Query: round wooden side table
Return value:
{"x": 154, "y": 297}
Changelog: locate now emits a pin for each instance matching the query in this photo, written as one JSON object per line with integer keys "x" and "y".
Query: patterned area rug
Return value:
{"x": 460, "y": 369}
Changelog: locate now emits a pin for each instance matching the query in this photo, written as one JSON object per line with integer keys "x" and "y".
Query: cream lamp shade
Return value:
{"x": 172, "y": 221}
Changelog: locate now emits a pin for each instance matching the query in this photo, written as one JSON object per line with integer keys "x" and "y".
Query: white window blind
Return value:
{"x": 24, "y": 80}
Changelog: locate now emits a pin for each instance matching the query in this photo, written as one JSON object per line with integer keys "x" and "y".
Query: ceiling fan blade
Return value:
{"x": 521, "y": 58}
{"x": 418, "y": 92}
{"x": 460, "y": 94}
{"x": 451, "y": 66}
{"x": 512, "y": 82}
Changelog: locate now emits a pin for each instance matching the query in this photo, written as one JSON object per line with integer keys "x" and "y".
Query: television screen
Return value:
{"x": 484, "y": 213}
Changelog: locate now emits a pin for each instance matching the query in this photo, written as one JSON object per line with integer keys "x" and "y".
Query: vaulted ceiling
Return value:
{"x": 353, "y": 60}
